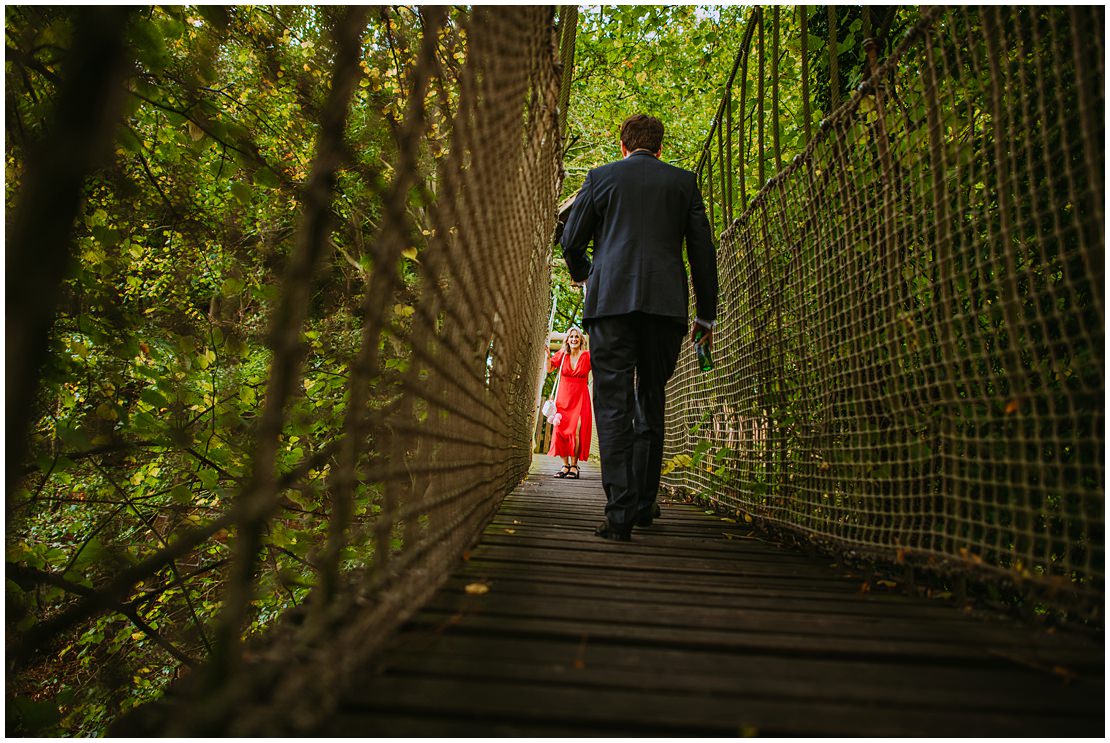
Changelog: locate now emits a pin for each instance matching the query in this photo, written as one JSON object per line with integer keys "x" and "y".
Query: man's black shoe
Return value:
{"x": 647, "y": 520}
{"x": 606, "y": 531}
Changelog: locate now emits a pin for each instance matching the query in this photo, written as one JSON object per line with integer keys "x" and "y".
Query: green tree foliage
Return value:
{"x": 158, "y": 358}
{"x": 667, "y": 61}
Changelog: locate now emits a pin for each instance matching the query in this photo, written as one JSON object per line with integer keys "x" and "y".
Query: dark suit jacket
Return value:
{"x": 637, "y": 212}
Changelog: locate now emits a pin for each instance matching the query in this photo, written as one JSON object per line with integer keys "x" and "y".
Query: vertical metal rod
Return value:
{"x": 722, "y": 175}
{"x": 709, "y": 165}
{"x": 834, "y": 71}
{"x": 760, "y": 95}
{"x": 742, "y": 139}
{"x": 728, "y": 155}
{"x": 741, "y": 56}
{"x": 775, "y": 89}
{"x": 806, "y": 113}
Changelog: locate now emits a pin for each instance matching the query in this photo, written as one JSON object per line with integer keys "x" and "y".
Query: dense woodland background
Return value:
{"x": 150, "y": 388}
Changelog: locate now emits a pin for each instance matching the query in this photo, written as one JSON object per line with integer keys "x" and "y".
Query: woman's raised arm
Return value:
{"x": 555, "y": 360}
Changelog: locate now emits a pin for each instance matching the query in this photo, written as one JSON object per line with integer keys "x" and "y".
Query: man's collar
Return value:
{"x": 640, "y": 151}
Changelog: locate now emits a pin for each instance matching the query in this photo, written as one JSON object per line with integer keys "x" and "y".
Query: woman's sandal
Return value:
{"x": 565, "y": 472}
{"x": 572, "y": 475}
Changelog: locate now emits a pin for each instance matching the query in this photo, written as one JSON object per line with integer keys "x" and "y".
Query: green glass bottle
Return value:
{"x": 705, "y": 357}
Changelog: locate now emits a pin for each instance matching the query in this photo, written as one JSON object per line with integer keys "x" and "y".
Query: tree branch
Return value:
{"x": 26, "y": 577}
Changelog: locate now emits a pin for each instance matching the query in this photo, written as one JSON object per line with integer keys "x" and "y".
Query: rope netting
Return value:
{"x": 434, "y": 399}
{"x": 910, "y": 346}
{"x": 454, "y": 434}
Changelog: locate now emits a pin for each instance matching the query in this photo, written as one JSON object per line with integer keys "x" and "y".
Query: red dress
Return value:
{"x": 573, "y": 401}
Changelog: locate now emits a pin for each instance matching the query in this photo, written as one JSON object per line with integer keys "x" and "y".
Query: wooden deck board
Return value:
{"x": 714, "y": 670}
{"x": 697, "y": 628}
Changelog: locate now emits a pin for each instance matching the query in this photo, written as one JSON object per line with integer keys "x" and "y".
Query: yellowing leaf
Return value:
{"x": 510, "y": 531}
{"x": 477, "y": 589}
{"x": 410, "y": 253}
{"x": 1066, "y": 673}
{"x": 403, "y": 310}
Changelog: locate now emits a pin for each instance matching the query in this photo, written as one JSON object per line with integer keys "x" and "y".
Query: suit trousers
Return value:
{"x": 633, "y": 356}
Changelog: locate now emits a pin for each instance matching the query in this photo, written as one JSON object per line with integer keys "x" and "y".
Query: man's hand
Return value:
{"x": 701, "y": 335}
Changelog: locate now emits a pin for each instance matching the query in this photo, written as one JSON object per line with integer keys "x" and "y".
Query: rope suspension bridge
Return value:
{"x": 905, "y": 419}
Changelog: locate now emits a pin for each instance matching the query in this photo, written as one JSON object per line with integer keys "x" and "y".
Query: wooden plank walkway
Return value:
{"x": 696, "y": 628}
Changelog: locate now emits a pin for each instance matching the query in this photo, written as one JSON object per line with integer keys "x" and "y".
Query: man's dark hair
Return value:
{"x": 642, "y": 132}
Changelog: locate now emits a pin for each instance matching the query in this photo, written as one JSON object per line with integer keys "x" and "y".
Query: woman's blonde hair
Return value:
{"x": 585, "y": 340}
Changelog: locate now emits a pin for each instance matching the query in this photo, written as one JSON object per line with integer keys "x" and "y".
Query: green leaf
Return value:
{"x": 241, "y": 192}
{"x": 92, "y": 553}
{"x": 697, "y": 426}
{"x": 266, "y": 177}
{"x": 36, "y": 717}
{"x": 149, "y": 45}
{"x": 106, "y": 236}
{"x": 699, "y": 452}
{"x": 73, "y": 438}
{"x": 208, "y": 478}
{"x": 231, "y": 287}
{"x": 153, "y": 397}
{"x": 130, "y": 143}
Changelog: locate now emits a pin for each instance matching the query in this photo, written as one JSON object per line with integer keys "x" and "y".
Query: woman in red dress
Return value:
{"x": 571, "y": 437}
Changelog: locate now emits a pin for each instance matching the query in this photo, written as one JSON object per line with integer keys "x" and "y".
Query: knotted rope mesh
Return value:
{"x": 910, "y": 345}
{"x": 440, "y": 400}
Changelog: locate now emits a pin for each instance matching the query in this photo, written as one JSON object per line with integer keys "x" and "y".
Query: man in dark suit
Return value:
{"x": 637, "y": 212}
